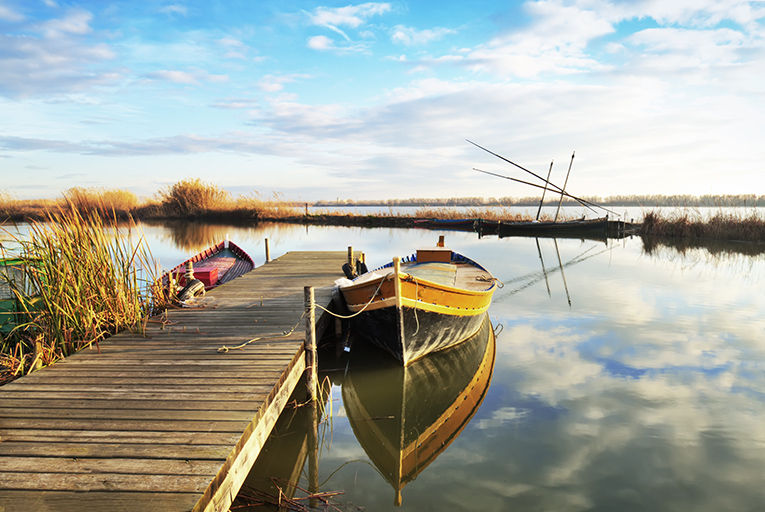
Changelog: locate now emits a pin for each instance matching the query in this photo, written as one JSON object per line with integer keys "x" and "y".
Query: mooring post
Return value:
{"x": 268, "y": 252}
{"x": 313, "y": 455}
{"x": 350, "y": 255}
{"x": 310, "y": 342}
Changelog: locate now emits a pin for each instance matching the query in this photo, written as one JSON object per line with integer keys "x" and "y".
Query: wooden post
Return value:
{"x": 268, "y": 252}
{"x": 399, "y": 306}
{"x": 440, "y": 241}
{"x": 310, "y": 342}
{"x": 313, "y": 455}
{"x": 350, "y": 255}
{"x": 544, "y": 191}
{"x": 563, "y": 190}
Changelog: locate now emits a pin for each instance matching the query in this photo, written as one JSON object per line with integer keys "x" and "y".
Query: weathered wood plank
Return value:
{"x": 69, "y": 501}
{"x": 147, "y": 451}
{"x": 109, "y": 465}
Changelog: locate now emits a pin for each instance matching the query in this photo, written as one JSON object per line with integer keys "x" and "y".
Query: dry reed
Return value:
{"x": 721, "y": 226}
{"x": 85, "y": 280}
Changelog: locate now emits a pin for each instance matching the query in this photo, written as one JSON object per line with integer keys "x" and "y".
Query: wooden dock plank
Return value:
{"x": 164, "y": 421}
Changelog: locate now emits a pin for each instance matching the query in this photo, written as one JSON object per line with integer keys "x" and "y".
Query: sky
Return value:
{"x": 337, "y": 100}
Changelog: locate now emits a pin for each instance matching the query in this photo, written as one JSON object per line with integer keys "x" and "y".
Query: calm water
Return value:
{"x": 624, "y": 381}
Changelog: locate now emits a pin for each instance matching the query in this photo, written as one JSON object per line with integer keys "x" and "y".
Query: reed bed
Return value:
{"x": 85, "y": 279}
{"x": 503, "y": 214}
{"x": 107, "y": 202}
{"x": 721, "y": 226}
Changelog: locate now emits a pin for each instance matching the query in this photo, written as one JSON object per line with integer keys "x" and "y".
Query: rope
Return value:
{"x": 371, "y": 299}
{"x": 284, "y": 334}
{"x": 485, "y": 279}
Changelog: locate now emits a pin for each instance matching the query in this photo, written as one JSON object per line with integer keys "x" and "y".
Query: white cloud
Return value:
{"x": 174, "y": 9}
{"x": 53, "y": 57}
{"x": 409, "y": 36}
{"x": 185, "y": 77}
{"x": 323, "y": 43}
{"x": 275, "y": 83}
{"x": 320, "y": 43}
{"x": 75, "y": 22}
{"x": 351, "y": 15}
{"x": 8, "y": 14}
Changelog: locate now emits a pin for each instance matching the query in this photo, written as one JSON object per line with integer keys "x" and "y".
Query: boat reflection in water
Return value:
{"x": 405, "y": 417}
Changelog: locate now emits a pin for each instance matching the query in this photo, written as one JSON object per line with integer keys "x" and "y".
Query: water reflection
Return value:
{"x": 405, "y": 417}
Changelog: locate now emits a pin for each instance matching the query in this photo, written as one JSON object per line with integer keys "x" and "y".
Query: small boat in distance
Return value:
{"x": 214, "y": 266}
{"x": 432, "y": 300}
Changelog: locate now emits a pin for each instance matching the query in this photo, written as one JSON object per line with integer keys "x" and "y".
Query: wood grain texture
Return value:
{"x": 164, "y": 421}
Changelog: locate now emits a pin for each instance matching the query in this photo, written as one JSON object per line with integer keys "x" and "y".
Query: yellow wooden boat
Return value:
{"x": 432, "y": 300}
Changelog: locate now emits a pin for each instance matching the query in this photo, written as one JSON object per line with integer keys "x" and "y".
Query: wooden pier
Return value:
{"x": 165, "y": 422}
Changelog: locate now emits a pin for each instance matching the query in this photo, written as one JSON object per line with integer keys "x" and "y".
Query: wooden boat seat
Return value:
{"x": 458, "y": 275}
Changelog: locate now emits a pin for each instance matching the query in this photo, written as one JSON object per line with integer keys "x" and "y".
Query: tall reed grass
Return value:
{"x": 107, "y": 202}
{"x": 86, "y": 279}
{"x": 722, "y": 226}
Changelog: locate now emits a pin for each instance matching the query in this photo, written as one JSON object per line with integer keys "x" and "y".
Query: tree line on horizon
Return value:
{"x": 642, "y": 200}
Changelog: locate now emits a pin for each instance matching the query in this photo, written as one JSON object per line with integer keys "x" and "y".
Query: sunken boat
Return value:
{"x": 430, "y": 301}
{"x": 405, "y": 417}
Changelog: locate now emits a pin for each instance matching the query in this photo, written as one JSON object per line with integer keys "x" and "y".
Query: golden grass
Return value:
{"x": 721, "y": 226}
{"x": 108, "y": 202}
{"x": 87, "y": 281}
{"x": 193, "y": 196}
{"x": 503, "y": 214}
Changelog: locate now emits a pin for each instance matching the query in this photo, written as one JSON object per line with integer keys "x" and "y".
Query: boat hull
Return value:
{"x": 424, "y": 331}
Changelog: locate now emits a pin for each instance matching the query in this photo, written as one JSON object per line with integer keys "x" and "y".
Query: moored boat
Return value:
{"x": 405, "y": 417}
{"x": 581, "y": 228}
{"x": 214, "y": 266}
{"x": 432, "y": 300}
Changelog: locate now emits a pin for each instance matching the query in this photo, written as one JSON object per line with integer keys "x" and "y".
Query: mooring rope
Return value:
{"x": 284, "y": 334}
{"x": 371, "y": 299}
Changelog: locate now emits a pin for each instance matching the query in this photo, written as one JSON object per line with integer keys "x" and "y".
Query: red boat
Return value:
{"x": 215, "y": 265}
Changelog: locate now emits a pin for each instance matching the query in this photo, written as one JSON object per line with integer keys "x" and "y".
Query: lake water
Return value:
{"x": 623, "y": 379}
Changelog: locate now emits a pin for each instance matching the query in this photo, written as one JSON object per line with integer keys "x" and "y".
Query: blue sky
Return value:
{"x": 375, "y": 100}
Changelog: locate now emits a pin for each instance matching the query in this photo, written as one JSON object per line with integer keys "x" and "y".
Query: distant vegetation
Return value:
{"x": 620, "y": 200}
{"x": 691, "y": 227}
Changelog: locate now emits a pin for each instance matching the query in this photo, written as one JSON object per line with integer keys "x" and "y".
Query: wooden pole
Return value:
{"x": 350, "y": 255}
{"x": 544, "y": 191}
{"x": 399, "y": 306}
{"x": 313, "y": 454}
{"x": 563, "y": 190}
{"x": 268, "y": 252}
{"x": 310, "y": 342}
